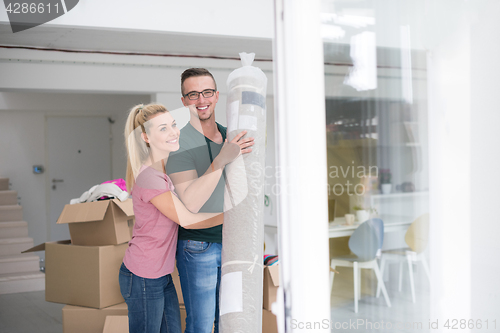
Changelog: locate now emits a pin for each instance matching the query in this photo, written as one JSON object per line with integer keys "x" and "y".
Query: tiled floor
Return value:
{"x": 29, "y": 312}
{"x": 373, "y": 313}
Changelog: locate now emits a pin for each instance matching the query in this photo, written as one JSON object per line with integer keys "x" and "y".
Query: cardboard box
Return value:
{"x": 114, "y": 319}
{"x": 77, "y": 319}
{"x": 183, "y": 318}
{"x": 271, "y": 284}
{"x": 105, "y": 222}
{"x": 82, "y": 275}
{"x": 119, "y": 324}
{"x": 269, "y": 324}
{"x": 177, "y": 284}
{"x": 116, "y": 324}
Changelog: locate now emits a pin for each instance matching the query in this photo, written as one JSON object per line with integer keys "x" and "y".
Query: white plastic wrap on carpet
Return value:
{"x": 243, "y": 231}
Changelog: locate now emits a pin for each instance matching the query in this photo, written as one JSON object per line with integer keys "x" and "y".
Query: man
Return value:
{"x": 197, "y": 173}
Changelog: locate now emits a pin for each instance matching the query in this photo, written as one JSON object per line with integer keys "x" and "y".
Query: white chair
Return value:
{"x": 364, "y": 243}
{"x": 416, "y": 238}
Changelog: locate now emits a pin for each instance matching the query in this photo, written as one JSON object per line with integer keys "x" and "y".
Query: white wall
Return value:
{"x": 22, "y": 146}
{"x": 450, "y": 179}
{"x": 485, "y": 118}
{"x": 216, "y": 17}
{"x": 463, "y": 119}
{"x": 23, "y": 142}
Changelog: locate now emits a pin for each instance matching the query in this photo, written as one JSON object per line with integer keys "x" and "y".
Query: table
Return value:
{"x": 339, "y": 227}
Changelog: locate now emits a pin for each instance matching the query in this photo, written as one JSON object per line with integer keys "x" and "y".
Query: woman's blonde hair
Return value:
{"x": 138, "y": 150}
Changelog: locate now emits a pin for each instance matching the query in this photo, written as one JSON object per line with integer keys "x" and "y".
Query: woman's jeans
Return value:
{"x": 199, "y": 265}
{"x": 152, "y": 303}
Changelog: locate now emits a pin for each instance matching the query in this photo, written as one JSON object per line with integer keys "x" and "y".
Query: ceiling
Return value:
{"x": 66, "y": 38}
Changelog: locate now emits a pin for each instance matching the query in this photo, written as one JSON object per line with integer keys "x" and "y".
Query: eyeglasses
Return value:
{"x": 194, "y": 95}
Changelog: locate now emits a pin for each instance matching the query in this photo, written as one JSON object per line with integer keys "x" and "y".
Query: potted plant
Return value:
{"x": 363, "y": 214}
{"x": 385, "y": 181}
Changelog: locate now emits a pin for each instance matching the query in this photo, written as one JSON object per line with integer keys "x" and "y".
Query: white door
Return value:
{"x": 79, "y": 157}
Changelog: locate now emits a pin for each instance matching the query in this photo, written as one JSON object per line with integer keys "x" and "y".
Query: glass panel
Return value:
{"x": 377, "y": 150}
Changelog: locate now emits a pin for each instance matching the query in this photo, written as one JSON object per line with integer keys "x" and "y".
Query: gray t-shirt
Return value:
{"x": 197, "y": 152}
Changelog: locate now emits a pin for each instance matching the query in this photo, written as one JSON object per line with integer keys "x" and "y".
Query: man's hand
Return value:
{"x": 231, "y": 150}
{"x": 244, "y": 143}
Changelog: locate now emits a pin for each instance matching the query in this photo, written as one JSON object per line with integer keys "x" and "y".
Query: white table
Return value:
{"x": 339, "y": 227}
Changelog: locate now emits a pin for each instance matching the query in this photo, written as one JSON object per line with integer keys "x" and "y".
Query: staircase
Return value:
{"x": 19, "y": 272}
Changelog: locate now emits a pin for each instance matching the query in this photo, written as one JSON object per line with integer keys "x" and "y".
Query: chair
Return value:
{"x": 416, "y": 238}
{"x": 364, "y": 244}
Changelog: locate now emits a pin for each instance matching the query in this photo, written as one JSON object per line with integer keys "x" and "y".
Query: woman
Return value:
{"x": 145, "y": 281}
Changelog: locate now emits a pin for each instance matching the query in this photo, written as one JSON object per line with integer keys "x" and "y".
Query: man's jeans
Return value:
{"x": 199, "y": 264}
{"x": 152, "y": 303}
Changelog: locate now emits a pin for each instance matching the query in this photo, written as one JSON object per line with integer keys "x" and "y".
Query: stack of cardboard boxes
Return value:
{"x": 83, "y": 273}
{"x": 271, "y": 284}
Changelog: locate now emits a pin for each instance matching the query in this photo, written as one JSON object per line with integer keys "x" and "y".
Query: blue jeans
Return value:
{"x": 152, "y": 303}
{"x": 199, "y": 265}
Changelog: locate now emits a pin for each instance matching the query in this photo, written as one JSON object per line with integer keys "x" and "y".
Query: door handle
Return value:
{"x": 57, "y": 180}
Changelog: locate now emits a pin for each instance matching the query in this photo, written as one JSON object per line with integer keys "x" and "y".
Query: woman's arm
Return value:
{"x": 170, "y": 206}
{"x": 194, "y": 191}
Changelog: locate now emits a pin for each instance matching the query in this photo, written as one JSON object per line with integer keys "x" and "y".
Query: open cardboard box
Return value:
{"x": 271, "y": 284}
{"x": 82, "y": 275}
{"x": 105, "y": 222}
{"x": 78, "y": 319}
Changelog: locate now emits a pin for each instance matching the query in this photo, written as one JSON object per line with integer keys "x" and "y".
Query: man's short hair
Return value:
{"x": 191, "y": 72}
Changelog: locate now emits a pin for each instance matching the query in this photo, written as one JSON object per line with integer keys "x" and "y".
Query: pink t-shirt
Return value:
{"x": 151, "y": 252}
